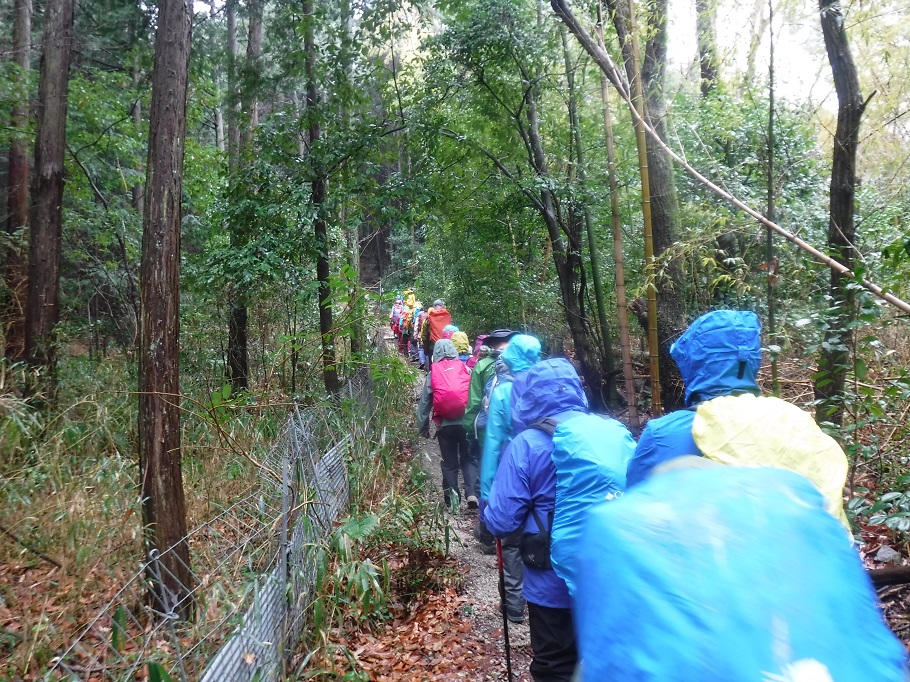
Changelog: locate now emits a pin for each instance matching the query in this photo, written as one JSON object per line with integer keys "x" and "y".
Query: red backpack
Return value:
{"x": 449, "y": 379}
{"x": 439, "y": 318}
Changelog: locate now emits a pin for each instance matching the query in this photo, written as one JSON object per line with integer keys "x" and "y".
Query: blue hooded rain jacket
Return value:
{"x": 522, "y": 353}
{"x": 526, "y": 477}
{"x": 719, "y": 354}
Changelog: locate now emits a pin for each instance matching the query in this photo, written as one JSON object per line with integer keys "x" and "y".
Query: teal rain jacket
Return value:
{"x": 522, "y": 353}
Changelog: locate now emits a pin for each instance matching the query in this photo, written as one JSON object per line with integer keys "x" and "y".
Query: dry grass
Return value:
{"x": 70, "y": 490}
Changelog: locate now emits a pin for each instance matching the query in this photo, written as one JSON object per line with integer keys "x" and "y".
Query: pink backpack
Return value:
{"x": 449, "y": 379}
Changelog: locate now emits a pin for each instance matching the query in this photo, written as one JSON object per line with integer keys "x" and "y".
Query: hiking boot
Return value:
{"x": 487, "y": 549}
{"x": 472, "y": 502}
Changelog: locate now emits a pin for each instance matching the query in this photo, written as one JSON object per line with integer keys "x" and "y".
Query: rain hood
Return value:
{"x": 719, "y": 354}
{"x": 523, "y": 352}
{"x": 547, "y": 389}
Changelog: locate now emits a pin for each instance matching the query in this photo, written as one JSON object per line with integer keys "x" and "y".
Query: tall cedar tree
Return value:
{"x": 317, "y": 198}
{"x": 43, "y": 308}
{"x": 834, "y": 356}
{"x": 13, "y": 316}
{"x": 238, "y": 336}
{"x": 163, "y": 506}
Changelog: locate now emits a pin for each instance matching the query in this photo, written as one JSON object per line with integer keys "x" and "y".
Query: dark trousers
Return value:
{"x": 457, "y": 456}
{"x": 553, "y": 643}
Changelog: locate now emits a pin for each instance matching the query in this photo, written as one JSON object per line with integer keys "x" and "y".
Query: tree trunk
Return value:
{"x": 671, "y": 320}
{"x": 163, "y": 506}
{"x": 138, "y": 189}
{"x": 608, "y": 392}
{"x": 216, "y": 79}
{"x": 706, "y": 35}
{"x": 625, "y": 342}
{"x": 233, "y": 117}
{"x": 317, "y": 197}
{"x": 624, "y": 21}
{"x": 43, "y": 309}
{"x": 238, "y": 335}
{"x": 566, "y": 259}
{"x": 835, "y": 355}
{"x": 13, "y": 320}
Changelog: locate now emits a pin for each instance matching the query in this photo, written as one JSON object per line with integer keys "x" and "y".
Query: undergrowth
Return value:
{"x": 389, "y": 554}
{"x": 70, "y": 525}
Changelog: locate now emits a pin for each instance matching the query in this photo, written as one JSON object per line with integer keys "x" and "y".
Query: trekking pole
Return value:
{"x": 502, "y": 607}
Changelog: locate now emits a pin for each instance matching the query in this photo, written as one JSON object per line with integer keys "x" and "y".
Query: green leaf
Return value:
{"x": 226, "y": 391}
{"x": 157, "y": 673}
{"x": 859, "y": 368}
{"x": 118, "y": 631}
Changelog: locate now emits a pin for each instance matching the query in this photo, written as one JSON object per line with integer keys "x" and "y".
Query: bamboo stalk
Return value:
{"x": 622, "y": 314}
{"x": 772, "y": 323}
{"x": 638, "y": 104}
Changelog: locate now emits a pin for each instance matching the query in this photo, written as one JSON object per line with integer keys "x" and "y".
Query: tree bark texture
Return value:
{"x": 46, "y": 217}
{"x": 163, "y": 506}
{"x": 14, "y": 274}
{"x": 706, "y": 36}
{"x": 233, "y": 115}
{"x": 317, "y": 198}
{"x": 834, "y": 357}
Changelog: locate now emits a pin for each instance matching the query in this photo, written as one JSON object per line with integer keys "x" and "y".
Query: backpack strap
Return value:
{"x": 547, "y": 425}
{"x": 540, "y": 527}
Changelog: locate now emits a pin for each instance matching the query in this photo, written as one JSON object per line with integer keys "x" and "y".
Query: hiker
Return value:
{"x": 522, "y": 498}
{"x": 462, "y": 345}
{"x": 395, "y": 316}
{"x": 719, "y": 354}
{"x": 437, "y": 319}
{"x": 714, "y": 573}
{"x": 475, "y": 416}
{"x": 448, "y": 331}
{"x": 727, "y": 419}
{"x": 405, "y": 325}
{"x": 445, "y": 394}
{"x": 479, "y": 348}
{"x": 522, "y": 353}
{"x": 414, "y": 330}
{"x": 419, "y": 325}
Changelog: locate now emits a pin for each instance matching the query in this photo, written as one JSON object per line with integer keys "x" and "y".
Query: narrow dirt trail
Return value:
{"x": 481, "y": 584}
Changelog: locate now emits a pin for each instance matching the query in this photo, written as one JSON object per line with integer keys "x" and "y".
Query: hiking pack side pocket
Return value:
{"x": 535, "y": 547}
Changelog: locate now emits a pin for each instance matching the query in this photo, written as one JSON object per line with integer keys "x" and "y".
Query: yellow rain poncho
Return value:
{"x": 752, "y": 431}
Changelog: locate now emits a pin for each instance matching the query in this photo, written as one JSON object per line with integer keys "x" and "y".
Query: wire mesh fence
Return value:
{"x": 249, "y": 600}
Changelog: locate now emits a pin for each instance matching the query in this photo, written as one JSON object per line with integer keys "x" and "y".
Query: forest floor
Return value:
{"x": 453, "y": 630}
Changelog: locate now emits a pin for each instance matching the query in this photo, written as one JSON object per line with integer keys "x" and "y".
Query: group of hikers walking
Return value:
{"x": 418, "y": 329}
{"x": 713, "y": 549}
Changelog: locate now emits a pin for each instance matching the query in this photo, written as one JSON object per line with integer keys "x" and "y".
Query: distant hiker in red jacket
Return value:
{"x": 437, "y": 320}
